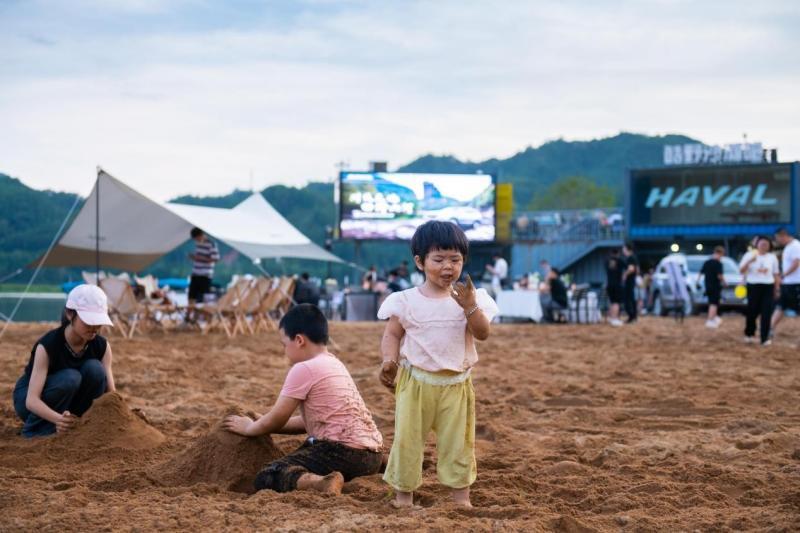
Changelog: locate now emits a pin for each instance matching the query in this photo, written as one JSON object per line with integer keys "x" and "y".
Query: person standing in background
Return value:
{"x": 760, "y": 268}
{"x": 790, "y": 276}
{"x": 203, "y": 259}
{"x": 714, "y": 281}
{"x": 629, "y": 274}
{"x": 499, "y": 272}
{"x": 614, "y": 290}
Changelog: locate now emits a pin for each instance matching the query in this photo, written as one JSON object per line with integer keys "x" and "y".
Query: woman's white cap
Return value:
{"x": 91, "y": 304}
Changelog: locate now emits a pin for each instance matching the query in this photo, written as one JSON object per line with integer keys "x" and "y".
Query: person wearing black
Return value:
{"x": 631, "y": 265}
{"x": 762, "y": 273}
{"x": 614, "y": 268}
{"x": 306, "y": 292}
{"x": 558, "y": 295}
{"x": 714, "y": 280}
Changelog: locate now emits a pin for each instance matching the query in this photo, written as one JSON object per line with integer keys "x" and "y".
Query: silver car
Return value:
{"x": 690, "y": 265}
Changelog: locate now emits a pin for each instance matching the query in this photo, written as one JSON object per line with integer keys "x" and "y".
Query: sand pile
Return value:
{"x": 220, "y": 457}
{"x": 109, "y": 423}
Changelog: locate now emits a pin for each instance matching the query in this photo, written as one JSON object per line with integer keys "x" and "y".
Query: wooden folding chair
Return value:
{"x": 125, "y": 312}
{"x": 269, "y": 303}
{"x": 159, "y": 311}
{"x": 223, "y": 311}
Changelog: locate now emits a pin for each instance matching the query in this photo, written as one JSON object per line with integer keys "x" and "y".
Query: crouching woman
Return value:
{"x": 69, "y": 367}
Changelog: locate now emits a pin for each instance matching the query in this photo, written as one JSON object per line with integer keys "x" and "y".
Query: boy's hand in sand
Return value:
{"x": 464, "y": 294}
{"x": 66, "y": 422}
{"x": 388, "y": 373}
{"x": 237, "y": 424}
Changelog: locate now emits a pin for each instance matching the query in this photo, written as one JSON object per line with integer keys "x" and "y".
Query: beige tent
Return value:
{"x": 134, "y": 230}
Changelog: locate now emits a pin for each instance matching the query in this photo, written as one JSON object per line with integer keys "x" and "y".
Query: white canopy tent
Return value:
{"x": 134, "y": 230}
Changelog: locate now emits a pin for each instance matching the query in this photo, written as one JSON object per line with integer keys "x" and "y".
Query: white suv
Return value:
{"x": 690, "y": 265}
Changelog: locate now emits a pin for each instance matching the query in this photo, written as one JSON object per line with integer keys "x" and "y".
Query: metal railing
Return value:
{"x": 568, "y": 225}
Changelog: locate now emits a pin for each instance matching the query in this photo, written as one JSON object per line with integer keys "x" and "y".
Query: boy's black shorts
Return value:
{"x": 615, "y": 294}
{"x": 714, "y": 294}
{"x": 198, "y": 286}
{"x": 790, "y": 297}
{"x": 319, "y": 457}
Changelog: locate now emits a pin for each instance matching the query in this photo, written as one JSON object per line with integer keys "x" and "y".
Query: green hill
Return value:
{"x": 532, "y": 171}
{"x": 29, "y": 218}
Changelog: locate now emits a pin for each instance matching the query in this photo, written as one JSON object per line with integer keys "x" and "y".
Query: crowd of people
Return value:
{"x": 772, "y": 284}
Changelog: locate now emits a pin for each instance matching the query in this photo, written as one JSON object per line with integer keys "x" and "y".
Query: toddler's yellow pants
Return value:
{"x": 448, "y": 410}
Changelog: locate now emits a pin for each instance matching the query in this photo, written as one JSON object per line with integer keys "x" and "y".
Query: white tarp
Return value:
{"x": 135, "y": 230}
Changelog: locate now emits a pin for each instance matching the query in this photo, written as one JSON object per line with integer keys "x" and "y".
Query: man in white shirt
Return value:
{"x": 499, "y": 272}
{"x": 790, "y": 275}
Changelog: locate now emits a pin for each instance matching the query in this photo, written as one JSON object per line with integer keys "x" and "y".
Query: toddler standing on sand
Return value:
{"x": 429, "y": 339}
{"x": 343, "y": 440}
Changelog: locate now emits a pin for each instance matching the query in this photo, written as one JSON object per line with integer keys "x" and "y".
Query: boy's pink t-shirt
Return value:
{"x": 331, "y": 406}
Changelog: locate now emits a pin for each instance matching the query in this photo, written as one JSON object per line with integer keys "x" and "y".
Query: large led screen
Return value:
{"x": 390, "y": 205}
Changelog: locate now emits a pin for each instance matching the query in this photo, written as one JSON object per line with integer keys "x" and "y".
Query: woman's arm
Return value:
{"x": 107, "y": 360}
{"x": 33, "y": 400}
{"x": 271, "y": 422}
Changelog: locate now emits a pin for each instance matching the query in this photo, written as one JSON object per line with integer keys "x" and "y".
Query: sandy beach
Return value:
{"x": 654, "y": 426}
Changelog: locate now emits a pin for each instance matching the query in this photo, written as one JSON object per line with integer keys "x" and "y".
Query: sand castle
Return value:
{"x": 221, "y": 458}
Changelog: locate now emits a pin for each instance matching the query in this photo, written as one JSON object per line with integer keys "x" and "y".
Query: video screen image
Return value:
{"x": 391, "y": 205}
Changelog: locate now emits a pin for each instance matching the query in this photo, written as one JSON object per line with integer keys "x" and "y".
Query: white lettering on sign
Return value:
{"x": 711, "y": 196}
{"x": 695, "y": 153}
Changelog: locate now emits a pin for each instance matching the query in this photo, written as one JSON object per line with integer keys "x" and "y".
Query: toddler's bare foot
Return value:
{"x": 461, "y": 497}
{"x": 330, "y": 484}
{"x": 403, "y": 500}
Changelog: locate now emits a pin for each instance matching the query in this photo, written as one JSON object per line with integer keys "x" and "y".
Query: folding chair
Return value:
{"x": 159, "y": 311}
{"x": 223, "y": 311}
{"x": 125, "y": 312}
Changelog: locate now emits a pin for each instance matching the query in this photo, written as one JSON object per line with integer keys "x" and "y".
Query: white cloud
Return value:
{"x": 191, "y": 98}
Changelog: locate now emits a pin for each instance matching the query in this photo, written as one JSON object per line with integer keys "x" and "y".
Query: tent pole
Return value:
{"x": 97, "y": 230}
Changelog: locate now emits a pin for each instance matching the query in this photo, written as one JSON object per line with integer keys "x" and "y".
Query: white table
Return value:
{"x": 519, "y": 304}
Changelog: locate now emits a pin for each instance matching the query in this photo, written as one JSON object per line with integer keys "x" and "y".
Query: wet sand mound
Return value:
{"x": 221, "y": 458}
{"x": 109, "y": 423}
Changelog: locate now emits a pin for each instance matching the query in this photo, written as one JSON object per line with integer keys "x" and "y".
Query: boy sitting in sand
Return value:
{"x": 343, "y": 441}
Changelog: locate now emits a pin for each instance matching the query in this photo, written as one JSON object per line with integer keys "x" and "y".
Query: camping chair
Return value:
{"x": 223, "y": 311}
{"x": 251, "y": 315}
{"x": 269, "y": 303}
{"x": 159, "y": 310}
{"x": 251, "y": 296}
{"x": 90, "y": 278}
{"x": 275, "y": 304}
{"x": 677, "y": 283}
{"x": 125, "y": 312}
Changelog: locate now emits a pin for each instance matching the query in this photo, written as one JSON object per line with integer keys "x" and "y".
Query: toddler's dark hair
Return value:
{"x": 305, "y": 319}
{"x": 438, "y": 235}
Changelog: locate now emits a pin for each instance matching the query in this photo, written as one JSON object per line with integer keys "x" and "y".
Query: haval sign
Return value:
{"x": 714, "y": 195}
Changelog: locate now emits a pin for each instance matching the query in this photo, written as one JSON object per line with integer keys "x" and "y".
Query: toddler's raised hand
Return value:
{"x": 464, "y": 294}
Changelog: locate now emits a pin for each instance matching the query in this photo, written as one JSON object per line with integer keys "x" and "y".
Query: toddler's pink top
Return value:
{"x": 331, "y": 406}
{"x": 436, "y": 335}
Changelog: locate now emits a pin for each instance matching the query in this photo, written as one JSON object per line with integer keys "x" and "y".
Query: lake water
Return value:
{"x": 36, "y": 307}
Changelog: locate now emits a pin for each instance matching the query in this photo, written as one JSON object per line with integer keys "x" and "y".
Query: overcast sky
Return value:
{"x": 199, "y": 97}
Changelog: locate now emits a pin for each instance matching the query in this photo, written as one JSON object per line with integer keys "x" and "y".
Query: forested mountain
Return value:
{"x": 29, "y": 218}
